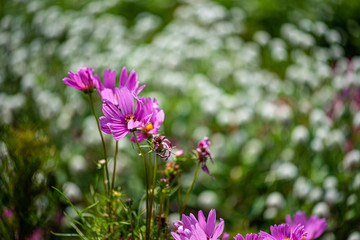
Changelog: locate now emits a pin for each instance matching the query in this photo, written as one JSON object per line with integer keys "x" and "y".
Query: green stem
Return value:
{"x": 104, "y": 147}
{"x": 153, "y": 186}
{"x": 147, "y": 188}
{"x": 179, "y": 194}
{"x": 162, "y": 199}
{"x": 167, "y": 214}
{"x": 113, "y": 176}
{"x": 189, "y": 190}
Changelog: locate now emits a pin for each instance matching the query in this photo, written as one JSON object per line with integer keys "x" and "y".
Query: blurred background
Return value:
{"x": 274, "y": 84}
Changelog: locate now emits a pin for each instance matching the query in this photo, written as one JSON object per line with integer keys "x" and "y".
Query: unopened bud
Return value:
{"x": 102, "y": 162}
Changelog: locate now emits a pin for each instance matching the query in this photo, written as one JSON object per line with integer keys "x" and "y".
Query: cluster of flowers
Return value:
{"x": 298, "y": 228}
{"x": 123, "y": 116}
{"x": 125, "y": 112}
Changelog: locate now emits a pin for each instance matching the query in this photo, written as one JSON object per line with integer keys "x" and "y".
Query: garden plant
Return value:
{"x": 248, "y": 127}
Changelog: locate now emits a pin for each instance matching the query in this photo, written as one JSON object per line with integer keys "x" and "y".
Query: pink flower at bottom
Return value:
{"x": 284, "y": 232}
{"x": 313, "y": 226}
{"x": 199, "y": 229}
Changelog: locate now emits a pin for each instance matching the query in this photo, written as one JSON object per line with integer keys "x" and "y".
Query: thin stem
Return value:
{"x": 113, "y": 176}
{"x": 179, "y": 194}
{"x": 153, "y": 186}
{"x": 160, "y": 213}
{"x": 189, "y": 190}
{"x": 104, "y": 147}
{"x": 167, "y": 214}
{"x": 147, "y": 188}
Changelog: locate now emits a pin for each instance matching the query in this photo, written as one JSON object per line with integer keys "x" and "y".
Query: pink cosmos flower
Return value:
{"x": 203, "y": 153}
{"x": 198, "y": 229}
{"x": 251, "y": 236}
{"x": 83, "y": 80}
{"x": 313, "y": 226}
{"x": 107, "y": 91}
{"x": 284, "y": 232}
{"x": 124, "y": 118}
{"x": 151, "y": 108}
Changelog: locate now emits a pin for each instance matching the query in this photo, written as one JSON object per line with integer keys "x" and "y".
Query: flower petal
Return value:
{"x": 123, "y": 78}
{"x": 211, "y": 222}
{"x": 109, "y": 79}
{"x": 218, "y": 230}
{"x": 125, "y": 100}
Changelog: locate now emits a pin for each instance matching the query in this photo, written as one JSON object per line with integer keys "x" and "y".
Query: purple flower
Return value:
{"x": 161, "y": 146}
{"x": 251, "y": 236}
{"x": 83, "y": 80}
{"x": 123, "y": 119}
{"x": 198, "y": 229}
{"x": 203, "y": 153}
{"x": 313, "y": 226}
{"x": 284, "y": 232}
{"x": 151, "y": 108}
{"x": 107, "y": 91}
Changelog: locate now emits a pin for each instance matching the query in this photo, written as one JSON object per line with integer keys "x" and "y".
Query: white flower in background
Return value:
{"x": 270, "y": 213}
{"x": 321, "y": 209}
{"x": 275, "y": 199}
{"x": 315, "y": 195}
{"x": 300, "y": 134}
{"x": 72, "y": 191}
{"x": 77, "y": 164}
{"x": 356, "y": 119}
{"x": 317, "y": 145}
{"x": 351, "y": 160}
{"x": 333, "y": 196}
{"x": 354, "y": 236}
{"x": 330, "y": 182}
{"x": 208, "y": 199}
{"x": 284, "y": 170}
{"x": 356, "y": 182}
{"x": 262, "y": 37}
{"x": 351, "y": 200}
{"x": 302, "y": 187}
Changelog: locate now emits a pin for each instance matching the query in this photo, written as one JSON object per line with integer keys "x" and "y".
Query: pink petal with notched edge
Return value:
{"x": 139, "y": 89}
{"x": 125, "y": 100}
{"x": 218, "y": 230}
{"x": 109, "y": 79}
{"x": 111, "y": 111}
{"x": 132, "y": 81}
{"x": 118, "y": 130}
{"x": 103, "y": 125}
{"x": 202, "y": 220}
{"x": 72, "y": 83}
{"x": 239, "y": 237}
{"x": 123, "y": 78}
{"x": 211, "y": 222}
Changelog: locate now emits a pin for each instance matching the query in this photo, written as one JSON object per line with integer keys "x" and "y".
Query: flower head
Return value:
{"x": 313, "y": 226}
{"x": 284, "y": 232}
{"x": 161, "y": 146}
{"x": 151, "y": 108}
{"x": 122, "y": 119}
{"x": 107, "y": 91}
{"x": 251, "y": 236}
{"x": 203, "y": 153}
{"x": 198, "y": 229}
{"x": 83, "y": 80}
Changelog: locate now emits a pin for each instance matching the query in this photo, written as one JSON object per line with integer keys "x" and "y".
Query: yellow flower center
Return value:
{"x": 148, "y": 127}
{"x": 129, "y": 117}
{"x": 286, "y": 239}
